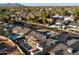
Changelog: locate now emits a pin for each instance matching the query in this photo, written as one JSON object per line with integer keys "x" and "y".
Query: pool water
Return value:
{"x": 13, "y": 37}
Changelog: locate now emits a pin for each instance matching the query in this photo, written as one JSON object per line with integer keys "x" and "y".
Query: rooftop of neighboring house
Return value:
{"x": 60, "y": 48}
{"x": 32, "y": 38}
{"x": 70, "y": 18}
{"x": 57, "y": 16}
{"x": 39, "y": 37}
{"x": 49, "y": 41}
{"x": 62, "y": 36}
{"x": 34, "y": 41}
{"x": 74, "y": 35}
{"x": 75, "y": 45}
{"x": 72, "y": 41}
{"x": 8, "y": 47}
{"x": 19, "y": 29}
{"x": 32, "y": 44}
{"x": 74, "y": 23}
{"x": 59, "y": 21}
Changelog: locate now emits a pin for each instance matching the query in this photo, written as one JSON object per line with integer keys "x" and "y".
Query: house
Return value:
{"x": 66, "y": 49}
{"x": 57, "y": 21}
{"x": 20, "y": 31}
{"x": 50, "y": 42}
{"x": 57, "y": 16}
{"x": 70, "y": 18}
{"x": 28, "y": 46}
{"x": 60, "y": 49}
{"x": 39, "y": 40}
{"x": 8, "y": 26}
{"x": 70, "y": 24}
{"x": 73, "y": 25}
{"x": 67, "y": 19}
{"x": 61, "y": 37}
{"x": 65, "y": 24}
{"x": 58, "y": 24}
{"x": 75, "y": 47}
{"x": 7, "y": 47}
{"x": 72, "y": 41}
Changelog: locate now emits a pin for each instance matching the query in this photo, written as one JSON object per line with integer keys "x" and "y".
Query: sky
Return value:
{"x": 50, "y": 4}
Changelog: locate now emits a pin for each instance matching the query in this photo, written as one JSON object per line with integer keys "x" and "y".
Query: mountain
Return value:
{"x": 10, "y": 4}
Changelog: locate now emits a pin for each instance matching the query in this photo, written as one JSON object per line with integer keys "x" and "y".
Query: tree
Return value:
{"x": 36, "y": 19}
{"x": 13, "y": 22}
{"x": 30, "y": 18}
{"x": 64, "y": 12}
{"x": 76, "y": 15}
{"x": 43, "y": 15}
{"x": 2, "y": 32}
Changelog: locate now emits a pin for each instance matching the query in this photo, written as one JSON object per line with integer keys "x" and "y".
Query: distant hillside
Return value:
{"x": 9, "y": 4}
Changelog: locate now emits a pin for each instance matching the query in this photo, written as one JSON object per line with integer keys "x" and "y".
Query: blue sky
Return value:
{"x": 50, "y": 4}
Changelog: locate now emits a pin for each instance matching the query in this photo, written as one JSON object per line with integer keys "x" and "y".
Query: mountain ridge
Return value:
{"x": 10, "y": 4}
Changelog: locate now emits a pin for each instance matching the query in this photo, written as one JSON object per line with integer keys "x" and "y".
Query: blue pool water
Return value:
{"x": 13, "y": 37}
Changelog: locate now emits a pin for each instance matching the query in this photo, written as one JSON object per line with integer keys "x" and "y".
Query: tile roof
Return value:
{"x": 39, "y": 37}
{"x": 74, "y": 24}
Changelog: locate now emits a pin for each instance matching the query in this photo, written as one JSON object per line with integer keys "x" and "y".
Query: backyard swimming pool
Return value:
{"x": 13, "y": 37}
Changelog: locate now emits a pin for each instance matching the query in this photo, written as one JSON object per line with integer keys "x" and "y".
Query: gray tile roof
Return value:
{"x": 70, "y": 42}
{"x": 60, "y": 49}
{"x": 62, "y": 36}
{"x": 38, "y": 36}
{"x": 75, "y": 45}
{"x": 74, "y": 24}
{"x": 49, "y": 41}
